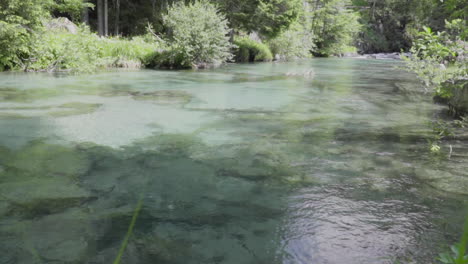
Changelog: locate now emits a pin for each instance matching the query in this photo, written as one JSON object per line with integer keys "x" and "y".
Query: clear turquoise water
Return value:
{"x": 319, "y": 161}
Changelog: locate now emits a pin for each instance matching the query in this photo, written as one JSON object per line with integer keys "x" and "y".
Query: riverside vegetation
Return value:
{"x": 191, "y": 34}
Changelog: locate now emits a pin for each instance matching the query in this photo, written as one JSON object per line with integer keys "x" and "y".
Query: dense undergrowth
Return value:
{"x": 85, "y": 51}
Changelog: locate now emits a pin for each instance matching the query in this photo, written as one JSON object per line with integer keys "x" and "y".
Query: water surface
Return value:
{"x": 319, "y": 161}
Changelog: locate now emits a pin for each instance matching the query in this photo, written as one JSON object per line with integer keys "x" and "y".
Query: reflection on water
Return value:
{"x": 321, "y": 161}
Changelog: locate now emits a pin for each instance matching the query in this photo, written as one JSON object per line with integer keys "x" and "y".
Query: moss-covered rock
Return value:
{"x": 38, "y": 197}
{"x": 256, "y": 162}
{"x": 19, "y": 95}
{"x": 163, "y": 96}
{"x": 75, "y": 108}
{"x": 41, "y": 159}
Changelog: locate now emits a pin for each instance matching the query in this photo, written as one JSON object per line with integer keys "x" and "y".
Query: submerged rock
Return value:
{"x": 56, "y": 239}
{"x": 164, "y": 96}
{"x": 62, "y": 24}
{"x": 38, "y": 197}
{"x": 25, "y": 96}
{"x": 159, "y": 96}
{"x": 41, "y": 160}
{"x": 75, "y": 108}
{"x": 253, "y": 162}
{"x": 384, "y": 56}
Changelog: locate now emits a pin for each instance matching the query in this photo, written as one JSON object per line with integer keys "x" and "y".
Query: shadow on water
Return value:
{"x": 74, "y": 204}
{"x": 241, "y": 204}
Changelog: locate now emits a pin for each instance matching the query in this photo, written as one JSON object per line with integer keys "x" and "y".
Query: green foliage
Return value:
{"x": 20, "y": 22}
{"x": 174, "y": 57}
{"x": 458, "y": 254}
{"x": 14, "y": 45}
{"x": 135, "y": 49}
{"x": 249, "y": 50}
{"x": 440, "y": 130}
{"x": 389, "y": 25}
{"x": 18, "y": 19}
{"x": 392, "y": 25}
{"x": 274, "y": 16}
{"x": 334, "y": 27}
{"x": 454, "y": 9}
{"x": 296, "y": 42}
{"x": 53, "y": 51}
{"x": 433, "y": 45}
{"x": 74, "y": 8}
{"x": 268, "y": 17}
{"x": 85, "y": 51}
{"x": 198, "y": 33}
{"x": 25, "y": 13}
{"x": 440, "y": 57}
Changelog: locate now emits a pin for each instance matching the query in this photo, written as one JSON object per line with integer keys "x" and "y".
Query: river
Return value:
{"x": 317, "y": 161}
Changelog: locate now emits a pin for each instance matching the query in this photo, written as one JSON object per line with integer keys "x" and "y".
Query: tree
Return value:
{"x": 268, "y": 17}
{"x": 391, "y": 25}
{"x": 334, "y": 26}
{"x": 103, "y": 17}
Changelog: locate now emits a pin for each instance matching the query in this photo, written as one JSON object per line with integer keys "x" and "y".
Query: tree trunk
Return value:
{"x": 85, "y": 15}
{"x": 106, "y": 18}
{"x": 117, "y": 17}
{"x": 100, "y": 16}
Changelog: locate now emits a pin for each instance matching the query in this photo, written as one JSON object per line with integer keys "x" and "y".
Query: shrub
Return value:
{"x": 14, "y": 45}
{"x": 19, "y": 22}
{"x": 296, "y": 42}
{"x": 439, "y": 57}
{"x": 173, "y": 57}
{"x": 197, "y": 34}
{"x": 249, "y": 50}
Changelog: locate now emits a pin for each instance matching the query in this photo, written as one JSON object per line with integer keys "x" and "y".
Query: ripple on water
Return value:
{"x": 250, "y": 163}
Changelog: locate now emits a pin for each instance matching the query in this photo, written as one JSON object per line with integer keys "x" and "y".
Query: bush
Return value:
{"x": 293, "y": 43}
{"x": 249, "y": 50}
{"x": 197, "y": 34}
{"x": 440, "y": 57}
{"x": 14, "y": 45}
{"x": 172, "y": 58}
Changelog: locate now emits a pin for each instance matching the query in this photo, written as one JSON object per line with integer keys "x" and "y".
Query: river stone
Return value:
{"x": 42, "y": 196}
